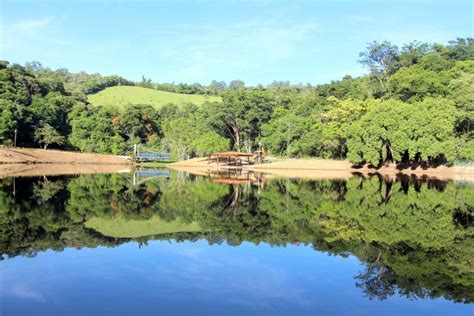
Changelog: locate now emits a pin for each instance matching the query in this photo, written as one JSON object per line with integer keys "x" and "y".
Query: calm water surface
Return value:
{"x": 178, "y": 244}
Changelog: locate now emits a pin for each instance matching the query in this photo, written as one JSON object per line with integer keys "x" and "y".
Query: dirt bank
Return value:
{"x": 327, "y": 169}
{"x": 37, "y": 156}
{"x": 32, "y": 170}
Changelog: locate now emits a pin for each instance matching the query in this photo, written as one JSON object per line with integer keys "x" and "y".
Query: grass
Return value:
{"x": 122, "y": 96}
{"x": 121, "y": 228}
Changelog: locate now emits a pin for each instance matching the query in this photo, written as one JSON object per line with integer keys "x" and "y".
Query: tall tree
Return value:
{"x": 236, "y": 84}
{"x": 240, "y": 116}
{"x": 381, "y": 59}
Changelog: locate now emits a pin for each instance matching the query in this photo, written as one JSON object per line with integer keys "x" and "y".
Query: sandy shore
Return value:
{"x": 325, "y": 169}
{"x": 31, "y": 170}
{"x": 32, "y": 155}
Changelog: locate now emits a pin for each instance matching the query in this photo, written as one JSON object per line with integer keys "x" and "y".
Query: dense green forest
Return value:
{"x": 413, "y": 235}
{"x": 416, "y": 104}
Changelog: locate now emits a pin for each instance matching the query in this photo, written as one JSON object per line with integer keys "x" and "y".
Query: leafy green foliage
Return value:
{"x": 210, "y": 142}
{"x": 75, "y": 83}
{"x": 8, "y": 121}
{"x": 29, "y": 103}
{"x": 47, "y": 135}
{"x": 291, "y": 134}
{"x": 240, "y": 116}
{"x": 92, "y": 130}
{"x": 394, "y": 130}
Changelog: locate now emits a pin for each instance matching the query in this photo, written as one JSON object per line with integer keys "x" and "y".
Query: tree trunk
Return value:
{"x": 237, "y": 139}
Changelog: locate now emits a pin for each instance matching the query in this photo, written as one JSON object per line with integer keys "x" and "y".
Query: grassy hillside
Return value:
{"x": 123, "y": 95}
{"x": 122, "y": 228}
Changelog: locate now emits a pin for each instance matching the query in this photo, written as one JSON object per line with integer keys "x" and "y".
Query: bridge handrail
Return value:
{"x": 153, "y": 155}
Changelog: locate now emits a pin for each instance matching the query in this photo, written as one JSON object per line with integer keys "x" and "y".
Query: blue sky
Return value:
{"x": 198, "y": 41}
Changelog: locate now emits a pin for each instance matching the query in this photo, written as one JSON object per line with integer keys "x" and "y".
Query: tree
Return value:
{"x": 397, "y": 131}
{"x": 145, "y": 83}
{"x": 139, "y": 124}
{"x": 461, "y": 49}
{"x": 347, "y": 88}
{"x": 415, "y": 83}
{"x": 178, "y": 136}
{"x": 461, "y": 91}
{"x": 240, "y": 116}
{"x": 210, "y": 142}
{"x": 8, "y": 120}
{"x": 381, "y": 59}
{"x": 282, "y": 134}
{"x": 337, "y": 119}
{"x": 93, "y": 130}
{"x": 236, "y": 84}
{"x": 216, "y": 87}
{"x": 47, "y": 135}
{"x": 412, "y": 53}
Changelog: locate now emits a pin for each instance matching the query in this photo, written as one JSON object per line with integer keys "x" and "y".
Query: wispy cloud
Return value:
{"x": 39, "y": 37}
{"x": 31, "y": 27}
{"x": 244, "y": 46}
{"x": 27, "y": 294}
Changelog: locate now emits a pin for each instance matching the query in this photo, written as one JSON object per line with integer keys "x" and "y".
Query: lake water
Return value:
{"x": 178, "y": 244}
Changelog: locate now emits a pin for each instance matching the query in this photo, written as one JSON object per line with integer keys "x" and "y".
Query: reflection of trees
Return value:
{"x": 417, "y": 272}
{"x": 34, "y": 219}
{"x": 112, "y": 196}
{"x": 189, "y": 198}
{"x": 377, "y": 281}
{"x": 47, "y": 189}
{"x": 414, "y": 235}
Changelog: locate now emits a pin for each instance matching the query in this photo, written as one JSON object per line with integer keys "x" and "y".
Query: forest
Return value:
{"x": 415, "y": 104}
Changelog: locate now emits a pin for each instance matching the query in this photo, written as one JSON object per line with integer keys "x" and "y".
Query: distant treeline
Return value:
{"x": 214, "y": 88}
{"x": 80, "y": 82}
{"x": 415, "y": 105}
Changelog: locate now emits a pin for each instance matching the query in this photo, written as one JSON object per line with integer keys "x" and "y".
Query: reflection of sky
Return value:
{"x": 195, "y": 279}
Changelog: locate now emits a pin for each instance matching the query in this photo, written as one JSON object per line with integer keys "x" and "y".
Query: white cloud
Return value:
{"x": 244, "y": 46}
{"x": 28, "y": 294}
{"x": 31, "y": 27}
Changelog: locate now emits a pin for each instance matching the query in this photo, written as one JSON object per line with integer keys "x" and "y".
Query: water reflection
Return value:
{"x": 413, "y": 235}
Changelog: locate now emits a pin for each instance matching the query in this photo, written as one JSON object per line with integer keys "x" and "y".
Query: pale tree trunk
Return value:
{"x": 237, "y": 139}
{"x": 247, "y": 145}
{"x": 235, "y": 131}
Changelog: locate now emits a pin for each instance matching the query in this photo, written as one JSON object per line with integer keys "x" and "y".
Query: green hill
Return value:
{"x": 121, "y": 228}
{"x": 123, "y": 95}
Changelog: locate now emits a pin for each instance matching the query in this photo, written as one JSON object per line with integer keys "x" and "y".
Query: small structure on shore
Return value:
{"x": 234, "y": 156}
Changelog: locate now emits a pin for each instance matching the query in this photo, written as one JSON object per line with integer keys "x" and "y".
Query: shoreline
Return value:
{"x": 315, "y": 168}
{"x": 58, "y": 169}
{"x": 17, "y": 155}
{"x": 33, "y": 162}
